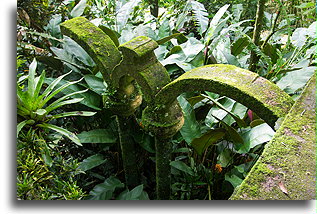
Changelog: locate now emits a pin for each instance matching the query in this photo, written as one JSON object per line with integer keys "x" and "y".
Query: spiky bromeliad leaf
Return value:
{"x": 201, "y": 16}
{"x": 62, "y": 131}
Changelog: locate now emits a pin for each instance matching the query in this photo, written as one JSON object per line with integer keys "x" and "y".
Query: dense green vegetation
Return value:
{"x": 68, "y": 138}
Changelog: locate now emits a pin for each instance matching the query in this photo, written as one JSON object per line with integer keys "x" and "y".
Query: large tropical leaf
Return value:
{"x": 214, "y": 22}
{"x": 295, "y": 80}
{"x": 105, "y": 190}
{"x": 201, "y": 16}
{"x": 191, "y": 128}
{"x": 182, "y": 167}
{"x": 97, "y": 136}
{"x": 78, "y": 10}
{"x": 135, "y": 194}
{"x": 124, "y": 13}
{"x": 91, "y": 162}
{"x": 202, "y": 143}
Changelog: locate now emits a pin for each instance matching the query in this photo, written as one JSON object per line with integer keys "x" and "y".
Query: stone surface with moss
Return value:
{"x": 286, "y": 169}
{"x": 97, "y": 44}
{"x": 263, "y": 97}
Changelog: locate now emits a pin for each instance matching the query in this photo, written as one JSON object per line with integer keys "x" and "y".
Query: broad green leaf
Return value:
{"x": 225, "y": 157}
{"x": 62, "y": 131}
{"x": 192, "y": 47}
{"x": 22, "y": 124}
{"x": 182, "y": 167}
{"x": 144, "y": 140}
{"x": 91, "y": 162}
{"x": 240, "y": 111}
{"x": 211, "y": 137}
{"x": 53, "y": 26}
{"x": 73, "y": 113}
{"x": 258, "y": 135}
{"x": 201, "y": 16}
{"x": 299, "y": 37}
{"x": 105, "y": 190}
{"x": 193, "y": 100}
{"x": 256, "y": 122}
{"x": 191, "y": 128}
{"x": 164, "y": 30}
{"x": 238, "y": 46}
{"x": 295, "y": 80}
{"x": 54, "y": 29}
{"x": 96, "y": 84}
{"x": 216, "y": 112}
{"x": 113, "y": 36}
{"x": 97, "y": 136}
{"x": 135, "y": 194}
{"x": 182, "y": 17}
{"x": 233, "y": 179}
{"x": 239, "y": 121}
{"x": 214, "y": 22}
{"x": 234, "y": 135}
{"x": 78, "y": 10}
{"x": 167, "y": 38}
{"x": 75, "y": 50}
{"x": 123, "y": 14}
{"x": 145, "y": 30}
{"x": 231, "y": 59}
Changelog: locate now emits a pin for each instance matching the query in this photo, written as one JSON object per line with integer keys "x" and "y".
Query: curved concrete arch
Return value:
{"x": 257, "y": 93}
{"x": 97, "y": 44}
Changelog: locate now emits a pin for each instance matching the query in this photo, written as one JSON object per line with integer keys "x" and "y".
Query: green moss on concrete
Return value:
{"x": 140, "y": 62}
{"x": 139, "y": 46}
{"x": 97, "y": 44}
{"x": 288, "y": 159}
{"x": 253, "y": 91}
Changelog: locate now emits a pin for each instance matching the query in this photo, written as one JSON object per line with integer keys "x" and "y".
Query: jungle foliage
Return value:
{"x": 67, "y": 142}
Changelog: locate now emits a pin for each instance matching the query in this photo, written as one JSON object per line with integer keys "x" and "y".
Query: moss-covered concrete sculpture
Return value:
{"x": 124, "y": 99}
{"x": 257, "y": 93}
{"x": 286, "y": 169}
{"x": 134, "y": 67}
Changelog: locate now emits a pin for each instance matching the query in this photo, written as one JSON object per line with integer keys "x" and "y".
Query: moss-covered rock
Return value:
{"x": 287, "y": 168}
{"x": 263, "y": 97}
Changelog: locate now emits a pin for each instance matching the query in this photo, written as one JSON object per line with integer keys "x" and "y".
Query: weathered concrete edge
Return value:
{"x": 286, "y": 169}
{"x": 262, "y": 96}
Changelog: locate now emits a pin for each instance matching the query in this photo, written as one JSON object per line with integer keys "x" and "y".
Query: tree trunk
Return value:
{"x": 154, "y": 7}
{"x": 254, "y": 59}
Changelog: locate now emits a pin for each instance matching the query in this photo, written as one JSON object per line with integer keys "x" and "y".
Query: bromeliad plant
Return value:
{"x": 36, "y": 108}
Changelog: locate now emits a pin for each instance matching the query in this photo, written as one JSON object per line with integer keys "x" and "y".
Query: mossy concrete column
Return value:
{"x": 140, "y": 63}
{"x": 286, "y": 169}
{"x": 122, "y": 99}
